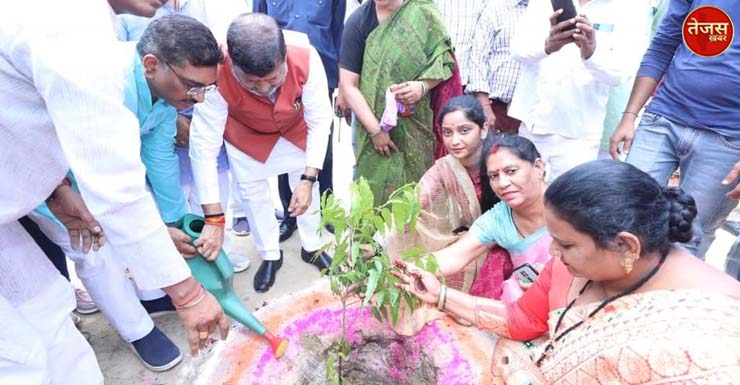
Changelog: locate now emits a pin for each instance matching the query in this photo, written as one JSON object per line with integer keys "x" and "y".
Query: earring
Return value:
{"x": 628, "y": 264}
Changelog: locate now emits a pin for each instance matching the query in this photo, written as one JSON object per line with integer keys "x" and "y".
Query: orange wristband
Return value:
{"x": 216, "y": 220}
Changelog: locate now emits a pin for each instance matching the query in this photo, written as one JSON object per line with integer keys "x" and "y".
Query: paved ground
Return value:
{"x": 121, "y": 367}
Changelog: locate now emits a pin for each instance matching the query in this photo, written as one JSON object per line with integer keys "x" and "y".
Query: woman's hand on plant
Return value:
{"x": 383, "y": 144}
{"x": 408, "y": 92}
{"x": 420, "y": 283}
{"x": 210, "y": 242}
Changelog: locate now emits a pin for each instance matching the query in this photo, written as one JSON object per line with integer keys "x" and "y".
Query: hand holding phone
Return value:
{"x": 569, "y": 12}
{"x": 561, "y": 32}
{"x": 525, "y": 273}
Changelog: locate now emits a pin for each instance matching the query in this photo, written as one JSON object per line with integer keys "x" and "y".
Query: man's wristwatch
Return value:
{"x": 309, "y": 178}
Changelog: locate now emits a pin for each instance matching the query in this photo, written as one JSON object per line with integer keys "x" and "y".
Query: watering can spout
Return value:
{"x": 217, "y": 278}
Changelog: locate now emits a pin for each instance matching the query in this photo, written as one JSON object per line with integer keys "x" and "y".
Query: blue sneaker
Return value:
{"x": 240, "y": 226}
{"x": 156, "y": 351}
{"x": 159, "y": 307}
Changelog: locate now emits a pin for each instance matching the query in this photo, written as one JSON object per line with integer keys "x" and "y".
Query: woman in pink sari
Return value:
{"x": 508, "y": 236}
{"x": 619, "y": 304}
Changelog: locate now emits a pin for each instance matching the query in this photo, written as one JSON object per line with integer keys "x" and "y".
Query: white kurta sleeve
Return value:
{"x": 206, "y": 137}
{"x": 528, "y": 42}
{"x": 317, "y": 112}
{"x": 83, "y": 97}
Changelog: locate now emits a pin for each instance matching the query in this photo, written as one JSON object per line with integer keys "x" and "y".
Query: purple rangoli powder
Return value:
{"x": 453, "y": 368}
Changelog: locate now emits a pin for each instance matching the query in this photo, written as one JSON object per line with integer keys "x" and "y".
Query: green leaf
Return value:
{"x": 412, "y": 253}
{"x": 378, "y": 265}
{"x": 372, "y": 284}
{"x": 387, "y": 217}
{"x": 379, "y": 224}
{"x": 432, "y": 265}
{"x": 379, "y": 298}
{"x": 376, "y": 313}
{"x": 334, "y": 284}
{"x": 356, "y": 253}
{"x": 344, "y": 349}
{"x": 384, "y": 312}
{"x": 395, "y": 294}
{"x": 394, "y": 313}
{"x": 340, "y": 255}
{"x": 410, "y": 299}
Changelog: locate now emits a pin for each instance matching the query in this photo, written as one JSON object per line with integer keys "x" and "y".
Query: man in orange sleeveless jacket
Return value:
{"x": 271, "y": 109}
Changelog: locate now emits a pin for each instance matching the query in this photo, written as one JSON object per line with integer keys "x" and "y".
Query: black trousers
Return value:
{"x": 52, "y": 251}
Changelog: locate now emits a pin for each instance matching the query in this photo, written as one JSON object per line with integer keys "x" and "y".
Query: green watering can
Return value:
{"x": 217, "y": 278}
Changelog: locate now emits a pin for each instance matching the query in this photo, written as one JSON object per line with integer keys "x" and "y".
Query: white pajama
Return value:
{"x": 39, "y": 343}
{"x": 251, "y": 177}
{"x": 561, "y": 154}
{"x": 103, "y": 276}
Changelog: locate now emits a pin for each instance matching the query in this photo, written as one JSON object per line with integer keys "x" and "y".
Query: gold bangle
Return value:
{"x": 372, "y": 135}
{"x": 442, "y": 298}
{"x": 629, "y": 112}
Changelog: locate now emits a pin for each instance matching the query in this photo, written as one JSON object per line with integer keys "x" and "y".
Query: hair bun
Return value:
{"x": 681, "y": 213}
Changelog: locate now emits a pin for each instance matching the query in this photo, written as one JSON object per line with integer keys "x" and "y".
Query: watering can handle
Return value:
{"x": 222, "y": 262}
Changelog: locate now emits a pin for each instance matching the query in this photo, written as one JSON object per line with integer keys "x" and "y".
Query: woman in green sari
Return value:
{"x": 404, "y": 46}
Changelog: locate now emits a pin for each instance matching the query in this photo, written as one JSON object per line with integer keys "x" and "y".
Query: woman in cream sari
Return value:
{"x": 618, "y": 303}
{"x": 454, "y": 193}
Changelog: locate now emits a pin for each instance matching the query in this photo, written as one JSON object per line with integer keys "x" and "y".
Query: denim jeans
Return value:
{"x": 704, "y": 157}
{"x": 732, "y": 263}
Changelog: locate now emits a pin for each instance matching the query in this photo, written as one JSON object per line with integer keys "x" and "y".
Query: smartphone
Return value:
{"x": 569, "y": 11}
{"x": 525, "y": 273}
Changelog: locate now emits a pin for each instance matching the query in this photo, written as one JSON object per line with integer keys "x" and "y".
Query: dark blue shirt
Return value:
{"x": 699, "y": 92}
{"x": 321, "y": 20}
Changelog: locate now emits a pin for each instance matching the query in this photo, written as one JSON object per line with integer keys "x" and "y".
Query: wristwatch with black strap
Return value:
{"x": 309, "y": 178}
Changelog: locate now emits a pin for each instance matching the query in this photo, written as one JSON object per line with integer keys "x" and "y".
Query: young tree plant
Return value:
{"x": 362, "y": 265}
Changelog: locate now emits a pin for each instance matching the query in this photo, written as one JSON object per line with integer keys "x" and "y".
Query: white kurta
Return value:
{"x": 63, "y": 73}
{"x": 206, "y": 137}
{"x": 62, "y": 76}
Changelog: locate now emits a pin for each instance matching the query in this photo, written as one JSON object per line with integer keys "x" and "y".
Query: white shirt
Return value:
{"x": 462, "y": 19}
{"x": 216, "y": 14}
{"x": 209, "y": 122}
{"x": 561, "y": 93}
{"x": 62, "y": 74}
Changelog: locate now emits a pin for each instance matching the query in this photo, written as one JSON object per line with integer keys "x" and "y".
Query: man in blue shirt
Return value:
{"x": 217, "y": 15}
{"x": 693, "y": 121}
{"x": 173, "y": 66}
{"x": 323, "y": 22}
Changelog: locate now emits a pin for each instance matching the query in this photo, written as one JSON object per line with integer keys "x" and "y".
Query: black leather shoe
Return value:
{"x": 329, "y": 228}
{"x": 265, "y": 276}
{"x": 321, "y": 261}
{"x": 287, "y": 228}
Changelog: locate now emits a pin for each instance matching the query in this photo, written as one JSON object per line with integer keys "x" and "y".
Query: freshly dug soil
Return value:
{"x": 374, "y": 360}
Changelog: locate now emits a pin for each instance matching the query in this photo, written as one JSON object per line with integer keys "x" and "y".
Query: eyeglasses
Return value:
{"x": 194, "y": 91}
